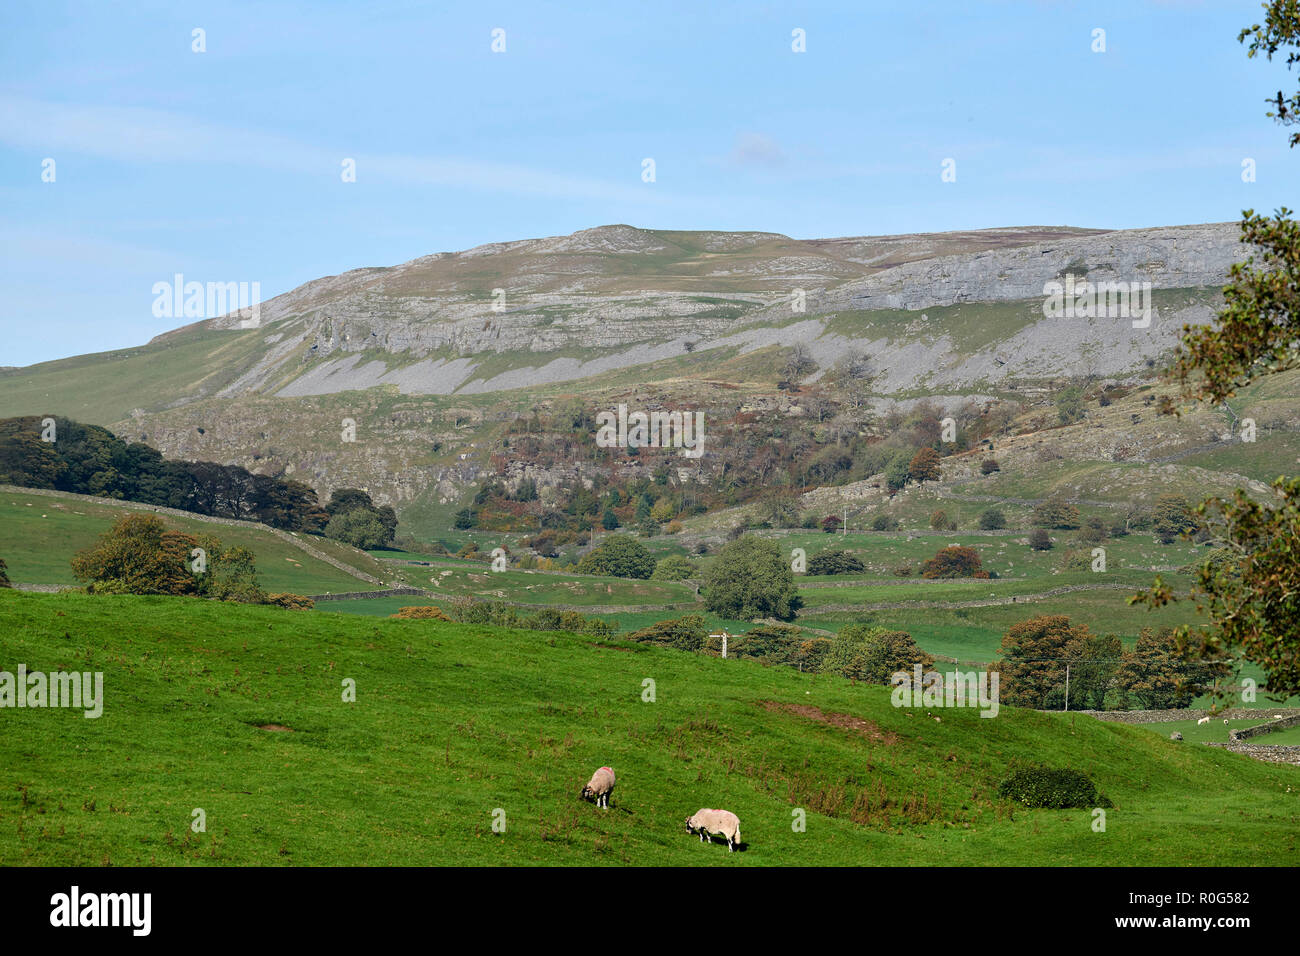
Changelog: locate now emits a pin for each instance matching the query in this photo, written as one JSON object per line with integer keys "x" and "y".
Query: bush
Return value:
{"x": 903, "y": 571}
{"x": 940, "y": 521}
{"x": 884, "y": 523}
{"x": 1093, "y": 531}
{"x": 1040, "y": 540}
{"x": 955, "y": 561}
{"x": 1056, "y": 513}
{"x": 992, "y": 520}
{"x": 1052, "y": 789}
{"x": 423, "y": 613}
{"x": 294, "y": 602}
{"x": 684, "y": 633}
{"x": 675, "y": 567}
{"x": 831, "y": 523}
{"x": 989, "y": 465}
{"x": 619, "y": 556}
{"x": 835, "y": 562}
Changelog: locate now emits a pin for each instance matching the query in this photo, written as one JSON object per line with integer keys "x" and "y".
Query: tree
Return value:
{"x": 989, "y": 465}
{"x": 896, "y": 471}
{"x": 1034, "y": 654}
{"x": 1040, "y": 540}
{"x": 751, "y": 578}
{"x": 835, "y": 562}
{"x": 1069, "y": 405}
{"x": 955, "y": 561}
{"x": 609, "y": 520}
{"x": 619, "y": 556}
{"x": 1155, "y": 677}
{"x": 925, "y": 466}
{"x": 464, "y": 520}
{"x": 940, "y": 521}
{"x": 992, "y": 520}
{"x": 1056, "y": 513}
{"x": 139, "y": 554}
{"x": 831, "y": 523}
{"x": 360, "y": 527}
{"x": 675, "y": 567}
{"x": 873, "y": 654}
{"x": 1252, "y": 611}
{"x": 1171, "y": 517}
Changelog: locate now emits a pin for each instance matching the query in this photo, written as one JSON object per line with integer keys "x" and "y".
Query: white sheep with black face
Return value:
{"x": 599, "y": 787}
{"x": 707, "y": 822}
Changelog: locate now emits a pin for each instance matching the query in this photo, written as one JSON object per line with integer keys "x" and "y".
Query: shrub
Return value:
{"x": 831, "y": 523}
{"x": 1171, "y": 517}
{"x": 1052, "y": 789}
{"x": 673, "y": 527}
{"x": 619, "y": 556}
{"x": 1093, "y": 530}
{"x": 884, "y": 522}
{"x": 422, "y": 613}
{"x": 955, "y": 561}
{"x": 940, "y": 521}
{"x": 294, "y": 602}
{"x": 835, "y": 562}
{"x": 1040, "y": 540}
{"x": 989, "y": 465}
{"x": 1056, "y": 513}
{"x": 992, "y": 520}
{"x": 675, "y": 567}
{"x": 684, "y": 633}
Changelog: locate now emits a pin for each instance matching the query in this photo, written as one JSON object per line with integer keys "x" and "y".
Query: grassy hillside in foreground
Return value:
{"x": 451, "y": 723}
{"x": 39, "y": 534}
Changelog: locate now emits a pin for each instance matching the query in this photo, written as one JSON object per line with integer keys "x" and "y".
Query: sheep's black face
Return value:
{"x": 689, "y": 827}
{"x": 586, "y": 793}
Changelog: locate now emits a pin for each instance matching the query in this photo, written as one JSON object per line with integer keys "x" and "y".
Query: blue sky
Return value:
{"x": 225, "y": 165}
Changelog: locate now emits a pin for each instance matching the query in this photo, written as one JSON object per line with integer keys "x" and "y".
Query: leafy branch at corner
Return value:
{"x": 1250, "y": 585}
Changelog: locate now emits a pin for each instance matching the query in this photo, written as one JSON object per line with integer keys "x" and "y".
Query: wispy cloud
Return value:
{"x": 140, "y": 135}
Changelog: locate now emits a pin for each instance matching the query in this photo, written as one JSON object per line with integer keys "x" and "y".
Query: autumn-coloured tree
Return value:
{"x": 924, "y": 466}
{"x": 955, "y": 561}
{"x": 1034, "y": 656}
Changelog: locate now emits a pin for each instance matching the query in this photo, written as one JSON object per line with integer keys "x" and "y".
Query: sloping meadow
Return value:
{"x": 469, "y": 745}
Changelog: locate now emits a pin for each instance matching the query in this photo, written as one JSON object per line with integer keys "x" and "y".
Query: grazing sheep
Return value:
{"x": 1203, "y": 720}
{"x": 1277, "y": 716}
{"x": 1225, "y": 720}
{"x": 599, "y": 787}
{"x": 1175, "y": 736}
{"x": 722, "y": 822}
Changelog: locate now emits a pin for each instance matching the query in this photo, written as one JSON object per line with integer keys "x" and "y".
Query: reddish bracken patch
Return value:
{"x": 858, "y": 725}
{"x": 278, "y": 727}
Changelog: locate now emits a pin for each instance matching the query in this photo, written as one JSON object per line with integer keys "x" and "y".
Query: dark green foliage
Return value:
{"x": 751, "y": 579}
{"x": 835, "y": 562}
{"x": 620, "y": 556}
{"x": 1052, "y": 789}
{"x": 992, "y": 520}
{"x": 684, "y": 633}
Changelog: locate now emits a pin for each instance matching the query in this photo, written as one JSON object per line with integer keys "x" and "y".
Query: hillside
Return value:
{"x": 433, "y": 369}
{"x": 237, "y": 710}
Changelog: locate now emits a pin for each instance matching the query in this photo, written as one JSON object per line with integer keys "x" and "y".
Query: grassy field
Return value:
{"x": 1216, "y": 731}
{"x": 456, "y": 726}
{"x": 40, "y": 534}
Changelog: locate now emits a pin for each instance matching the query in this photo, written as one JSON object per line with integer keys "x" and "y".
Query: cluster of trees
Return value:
{"x": 89, "y": 460}
{"x": 1102, "y": 674}
{"x": 354, "y": 519}
{"x": 751, "y": 579}
{"x": 466, "y": 610}
{"x": 620, "y": 556}
{"x": 140, "y": 554}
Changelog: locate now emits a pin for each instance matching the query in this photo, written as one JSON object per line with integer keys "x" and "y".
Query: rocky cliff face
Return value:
{"x": 519, "y": 314}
